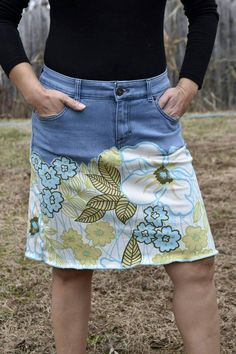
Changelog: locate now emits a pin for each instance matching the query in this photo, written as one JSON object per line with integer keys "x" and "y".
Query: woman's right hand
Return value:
{"x": 45, "y": 102}
{"x": 51, "y": 102}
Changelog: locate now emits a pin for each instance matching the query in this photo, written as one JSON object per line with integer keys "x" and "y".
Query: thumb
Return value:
{"x": 164, "y": 98}
{"x": 72, "y": 103}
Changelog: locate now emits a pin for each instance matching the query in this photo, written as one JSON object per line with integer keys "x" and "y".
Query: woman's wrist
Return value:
{"x": 38, "y": 93}
{"x": 26, "y": 81}
{"x": 188, "y": 86}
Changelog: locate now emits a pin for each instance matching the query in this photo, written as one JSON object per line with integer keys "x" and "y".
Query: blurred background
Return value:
{"x": 219, "y": 87}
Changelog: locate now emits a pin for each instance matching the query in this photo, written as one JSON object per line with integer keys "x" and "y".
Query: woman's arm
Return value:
{"x": 44, "y": 101}
{"x": 12, "y": 51}
{"x": 203, "y": 21}
{"x": 17, "y": 67}
{"x": 27, "y": 82}
{"x": 13, "y": 58}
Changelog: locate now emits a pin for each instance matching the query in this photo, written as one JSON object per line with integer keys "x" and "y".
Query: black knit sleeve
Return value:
{"x": 203, "y": 19}
{"x": 12, "y": 51}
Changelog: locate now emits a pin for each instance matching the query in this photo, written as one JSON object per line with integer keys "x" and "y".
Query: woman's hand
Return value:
{"x": 175, "y": 100}
{"x": 45, "y": 102}
{"x": 51, "y": 102}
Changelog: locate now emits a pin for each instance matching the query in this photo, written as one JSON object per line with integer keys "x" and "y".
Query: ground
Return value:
{"x": 132, "y": 309}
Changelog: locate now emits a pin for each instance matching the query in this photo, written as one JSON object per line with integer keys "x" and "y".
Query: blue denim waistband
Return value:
{"x": 85, "y": 88}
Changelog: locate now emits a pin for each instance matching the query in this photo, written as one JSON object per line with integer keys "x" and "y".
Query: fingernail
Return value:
{"x": 81, "y": 105}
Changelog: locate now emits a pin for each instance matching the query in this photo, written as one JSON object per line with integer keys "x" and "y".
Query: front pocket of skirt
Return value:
{"x": 155, "y": 99}
{"x": 51, "y": 117}
{"x": 60, "y": 114}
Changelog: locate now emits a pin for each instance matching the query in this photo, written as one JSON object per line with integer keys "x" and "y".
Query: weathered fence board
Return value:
{"x": 219, "y": 87}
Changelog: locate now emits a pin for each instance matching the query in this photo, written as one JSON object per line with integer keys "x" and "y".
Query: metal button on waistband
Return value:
{"x": 120, "y": 90}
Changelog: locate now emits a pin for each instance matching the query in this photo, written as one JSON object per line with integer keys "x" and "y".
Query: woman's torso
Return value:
{"x": 106, "y": 40}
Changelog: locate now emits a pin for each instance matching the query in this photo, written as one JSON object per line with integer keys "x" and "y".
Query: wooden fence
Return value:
{"x": 219, "y": 86}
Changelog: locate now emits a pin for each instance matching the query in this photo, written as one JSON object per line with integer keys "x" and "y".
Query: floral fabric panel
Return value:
{"x": 127, "y": 207}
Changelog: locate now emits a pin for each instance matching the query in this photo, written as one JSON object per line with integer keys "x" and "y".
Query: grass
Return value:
{"x": 132, "y": 310}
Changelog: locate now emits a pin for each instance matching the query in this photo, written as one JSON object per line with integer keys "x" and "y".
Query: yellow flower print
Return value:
{"x": 180, "y": 255}
{"x": 86, "y": 254}
{"x": 167, "y": 257}
{"x": 189, "y": 254}
{"x": 112, "y": 157}
{"x": 71, "y": 239}
{"x": 101, "y": 233}
{"x": 195, "y": 238}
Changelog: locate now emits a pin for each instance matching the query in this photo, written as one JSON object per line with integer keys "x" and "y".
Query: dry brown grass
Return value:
{"x": 131, "y": 310}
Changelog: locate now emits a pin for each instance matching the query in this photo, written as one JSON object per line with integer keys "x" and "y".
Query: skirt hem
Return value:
{"x": 53, "y": 264}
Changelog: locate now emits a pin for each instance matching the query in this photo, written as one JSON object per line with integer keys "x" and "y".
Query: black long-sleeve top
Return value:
{"x": 110, "y": 40}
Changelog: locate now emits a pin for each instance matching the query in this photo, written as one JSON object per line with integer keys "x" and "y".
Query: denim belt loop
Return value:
{"x": 77, "y": 89}
{"x": 149, "y": 90}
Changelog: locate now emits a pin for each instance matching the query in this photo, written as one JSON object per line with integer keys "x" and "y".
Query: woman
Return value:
{"x": 112, "y": 182}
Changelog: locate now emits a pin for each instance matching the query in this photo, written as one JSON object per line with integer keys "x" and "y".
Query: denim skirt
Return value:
{"x": 113, "y": 186}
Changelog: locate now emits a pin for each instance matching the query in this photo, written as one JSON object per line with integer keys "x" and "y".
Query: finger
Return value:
{"x": 164, "y": 99}
{"x": 172, "y": 109}
{"x": 70, "y": 102}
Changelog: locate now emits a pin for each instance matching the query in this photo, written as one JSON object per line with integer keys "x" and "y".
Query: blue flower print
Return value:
{"x": 167, "y": 239}
{"x": 144, "y": 233}
{"x": 34, "y": 225}
{"x": 156, "y": 215}
{"x": 65, "y": 167}
{"x": 36, "y": 161}
{"x": 48, "y": 176}
{"x": 50, "y": 202}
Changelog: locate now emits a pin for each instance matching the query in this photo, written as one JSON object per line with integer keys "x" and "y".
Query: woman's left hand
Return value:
{"x": 175, "y": 100}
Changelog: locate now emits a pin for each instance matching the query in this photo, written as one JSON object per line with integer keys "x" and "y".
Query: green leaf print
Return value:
{"x": 56, "y": 244}
{"x": 104, "y": 202}
{"x": 69, "y": 210}
{"x": 132, "y": 254}
{"x": 110, "y": 173}
{"x": 90, "y": 215}
{"x": 65, "y": 189}
{"x": 77, "y": 203}
{"x": 107, "y": 183}
{"x": 101, "y": 184}
{"x": 53, "y": 256}
{"x": 125, "y": 209}
{"x": 86, "y": 194}
{"x": 49, "y": 231}
{"x": 83, "y": 168}
{"x": 76, "y": 182}
{"x": 93, "y": 166}
{"x": 197, "y": 212}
